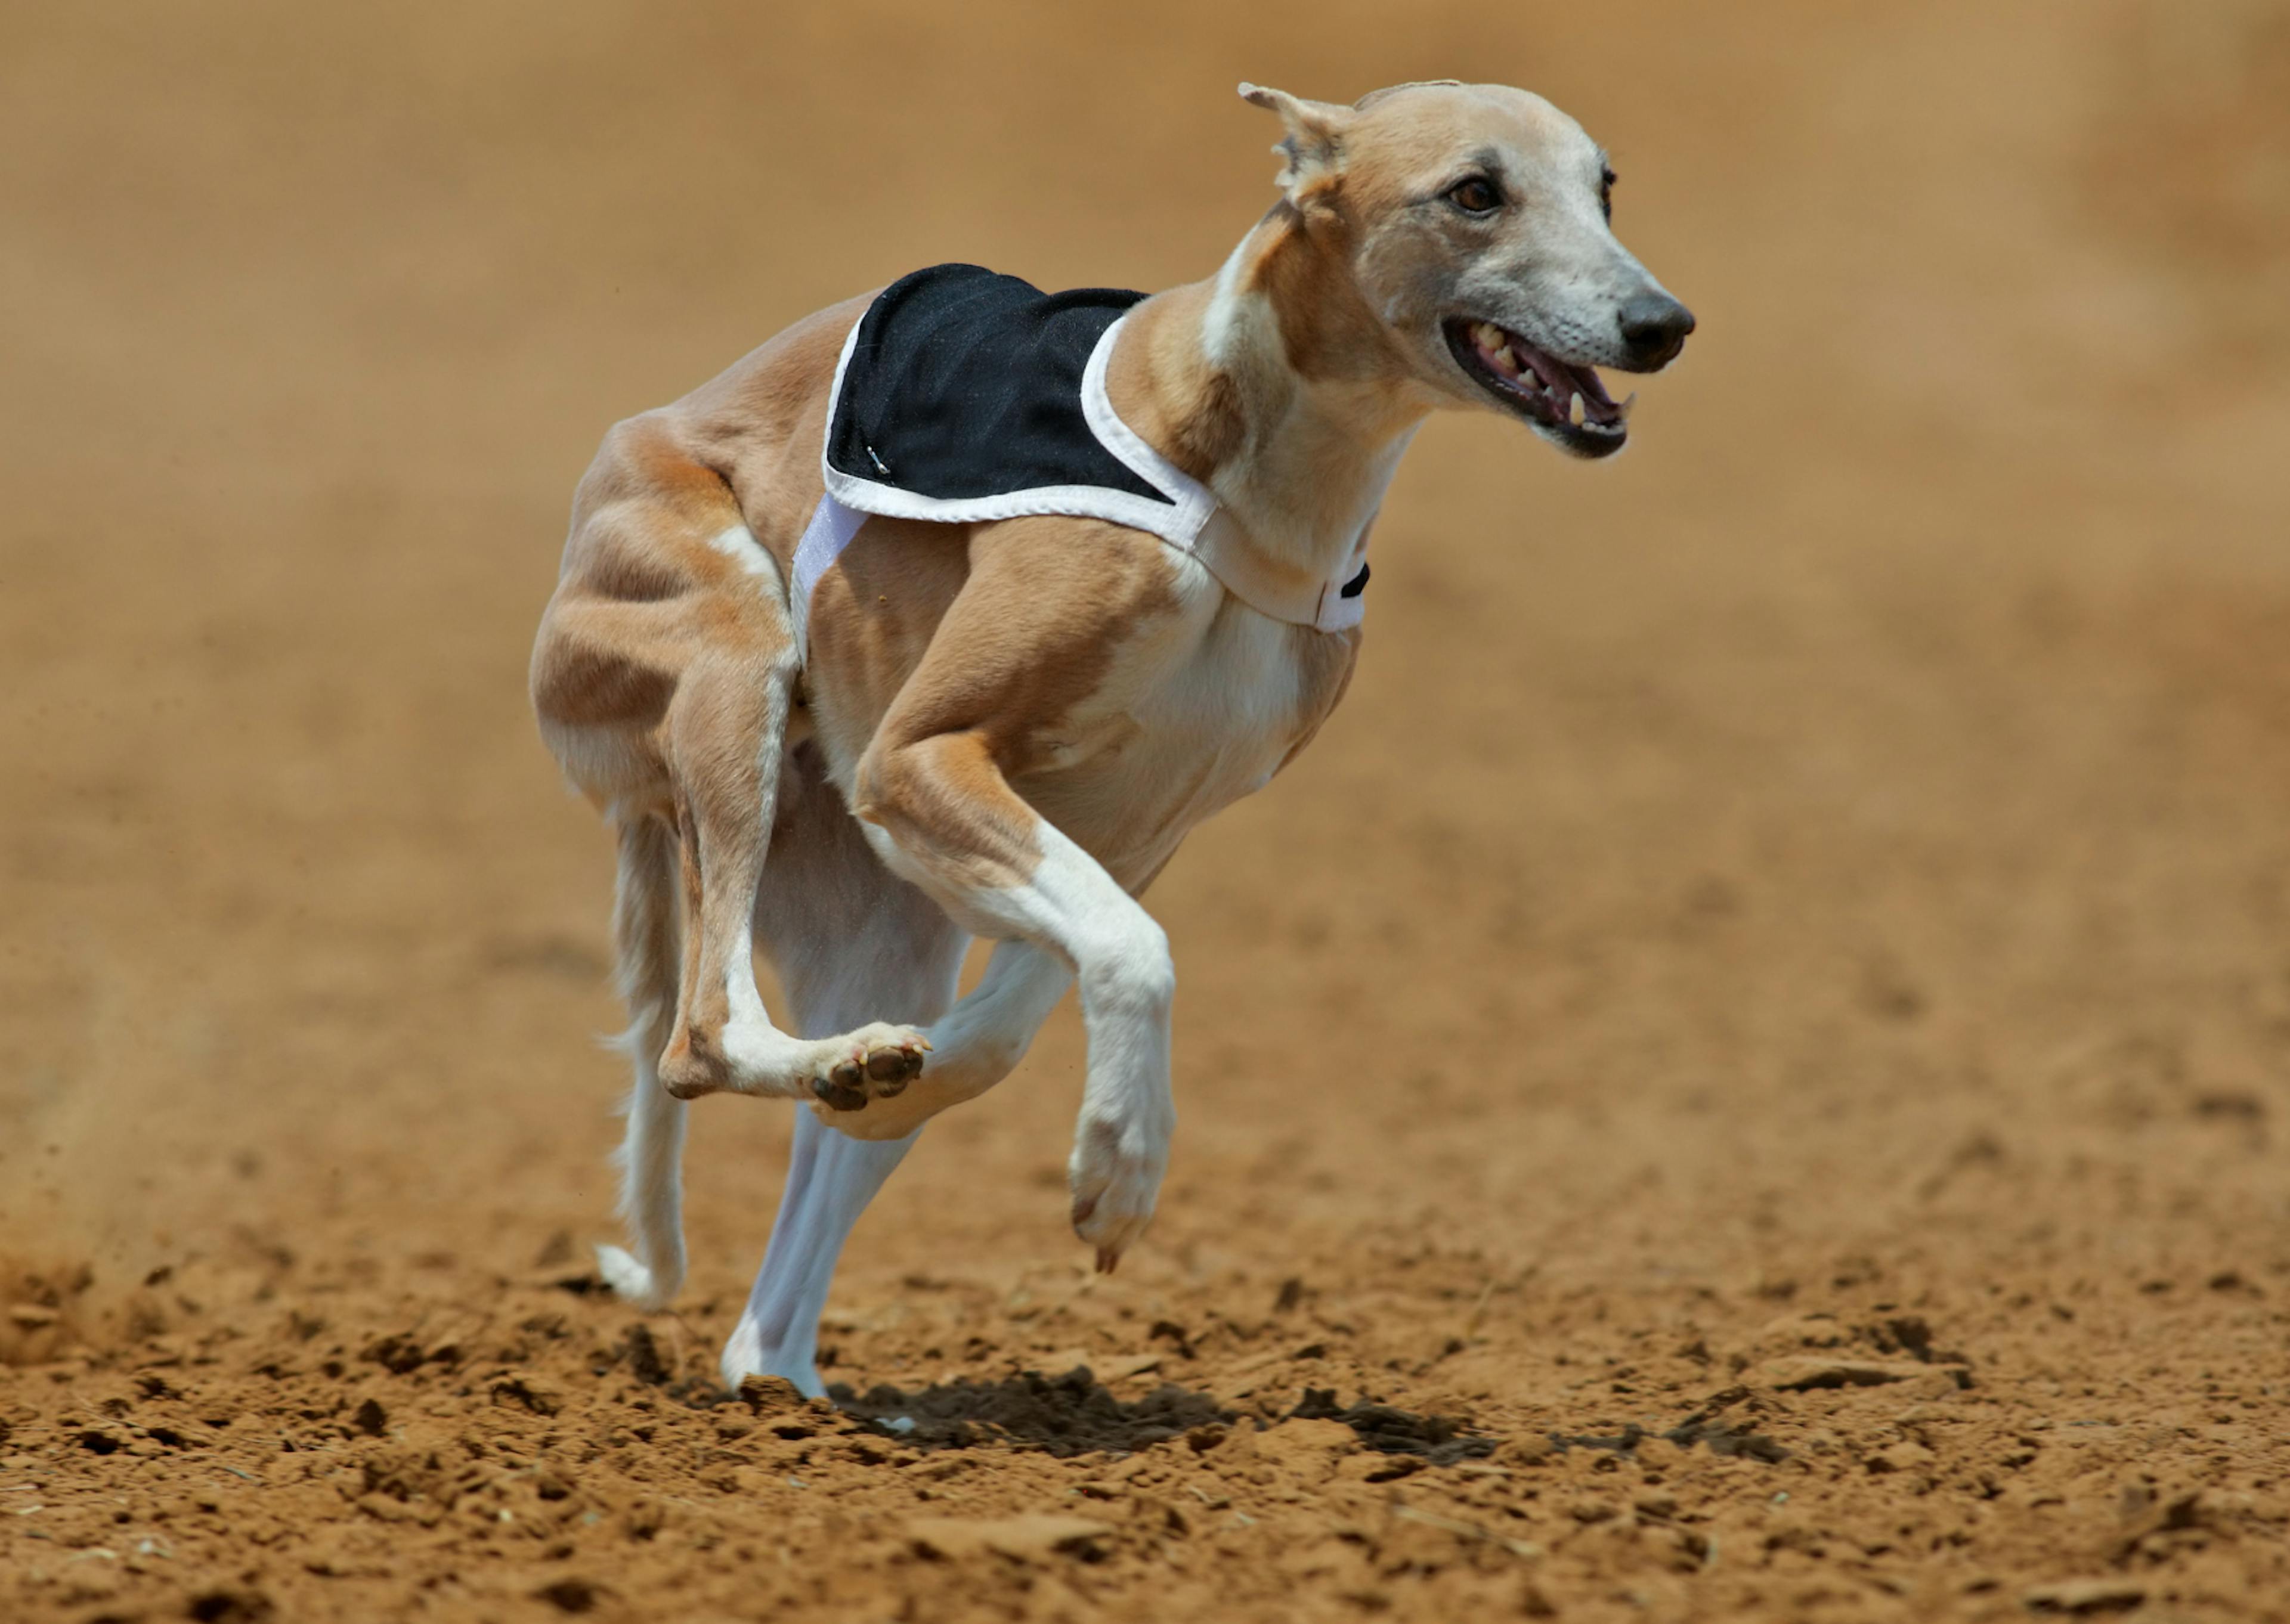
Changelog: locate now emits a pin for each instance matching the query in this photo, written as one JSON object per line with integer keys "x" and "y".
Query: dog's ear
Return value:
{"x": 1313, "y": 144}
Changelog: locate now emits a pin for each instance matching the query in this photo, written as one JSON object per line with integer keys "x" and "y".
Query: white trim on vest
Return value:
{"x": 832, "y": 525}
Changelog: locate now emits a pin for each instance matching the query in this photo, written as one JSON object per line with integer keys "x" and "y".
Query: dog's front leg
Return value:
{"x": 942, "y": 814}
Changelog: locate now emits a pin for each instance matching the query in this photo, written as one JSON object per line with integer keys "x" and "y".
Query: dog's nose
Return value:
{"x": 1654, "y": 327}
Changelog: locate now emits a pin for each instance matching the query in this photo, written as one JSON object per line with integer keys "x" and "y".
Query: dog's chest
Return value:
{"x": 1187, "y": 726}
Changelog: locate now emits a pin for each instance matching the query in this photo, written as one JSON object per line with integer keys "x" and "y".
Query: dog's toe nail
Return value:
{"x": 1108, "y": 1259}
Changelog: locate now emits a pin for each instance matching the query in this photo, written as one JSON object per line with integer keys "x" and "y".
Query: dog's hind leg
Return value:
{"x": 727, "y": 729}
{"x": 664, "y": 675}
{"x": 849, "y": 940}
{"x": 727, "y": 732}
{"x": 830, "y": 1179}
{"x": 651, "y": 1156}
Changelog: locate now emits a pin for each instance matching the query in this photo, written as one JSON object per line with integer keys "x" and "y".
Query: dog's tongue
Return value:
{"x": 1580, "y": 388}
{"x": 1556, "y": 376}
{"x": 1565, "y": 382}
{"x": 1561, "y": 380}
{"x": 1593, "y": 386}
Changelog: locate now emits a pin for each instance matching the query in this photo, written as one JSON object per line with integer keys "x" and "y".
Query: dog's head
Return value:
{"x": 1475, "y": 222}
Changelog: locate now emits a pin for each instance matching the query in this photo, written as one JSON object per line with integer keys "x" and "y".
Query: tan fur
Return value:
{"x": 982, "y": 710}
{"x": 658, "y": 654}
{"x": 979, "y": 694}
{"x": 1194, "y": 413}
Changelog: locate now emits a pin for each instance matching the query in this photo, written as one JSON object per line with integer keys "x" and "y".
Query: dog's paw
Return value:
{"x": 876, "y": 1062}
{"x": 745, "y": 1356}
{"x": 1115, "y": 1176}
{"x": 632, "y": 1282}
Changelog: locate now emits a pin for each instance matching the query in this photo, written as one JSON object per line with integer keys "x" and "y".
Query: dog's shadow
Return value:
{"x": 1072, "y": 1414}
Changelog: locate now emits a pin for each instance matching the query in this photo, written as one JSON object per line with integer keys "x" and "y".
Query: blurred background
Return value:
{"x": 1836, "y": 856}
{"x": 1853, "y": 824}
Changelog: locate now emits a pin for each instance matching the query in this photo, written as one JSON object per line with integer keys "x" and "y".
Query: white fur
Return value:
{"x": 1232, "y": 311}
{"x": 830, "y": 1180}
{"x": 1073, "y": 908}
{"x": 739, "y": 544}
{"x": 652, "y": 1152}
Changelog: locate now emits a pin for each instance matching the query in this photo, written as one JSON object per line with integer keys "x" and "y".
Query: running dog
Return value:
{"x": 949, "y": 610}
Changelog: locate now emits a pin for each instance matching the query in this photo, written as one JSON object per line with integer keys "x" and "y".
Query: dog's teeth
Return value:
{"x": 1504, "y": 362}
{"x": 1490, "y": 337}
{"x": 1622, "y": 409}
{"x": 1574, "y": 410}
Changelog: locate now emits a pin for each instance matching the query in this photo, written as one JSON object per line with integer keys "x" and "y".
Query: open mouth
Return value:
{"x": 1567, "y": 401}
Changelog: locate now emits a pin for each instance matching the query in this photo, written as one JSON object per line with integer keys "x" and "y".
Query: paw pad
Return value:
{"x": 841, "y": 1089}
{"x": 878, "y": 1072}
{"x": 890, "y": 1070}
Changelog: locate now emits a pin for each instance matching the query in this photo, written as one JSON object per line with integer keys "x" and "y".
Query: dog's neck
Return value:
{"x": 1273, "y": 384}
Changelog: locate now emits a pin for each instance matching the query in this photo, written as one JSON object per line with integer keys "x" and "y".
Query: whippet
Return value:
{"x": 856, "y": 719}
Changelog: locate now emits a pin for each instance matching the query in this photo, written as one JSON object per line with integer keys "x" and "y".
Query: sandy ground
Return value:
{"x": 1742, "y": 1077}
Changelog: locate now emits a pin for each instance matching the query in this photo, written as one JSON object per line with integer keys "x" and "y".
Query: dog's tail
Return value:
{"x": 648, "y": 943}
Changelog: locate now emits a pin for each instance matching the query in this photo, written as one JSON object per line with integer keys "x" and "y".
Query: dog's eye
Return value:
{"x": 1475, "y": 196}
{"x": 1606, "y": 194}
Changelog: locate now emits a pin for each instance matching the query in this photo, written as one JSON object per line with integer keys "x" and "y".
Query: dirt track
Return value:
{"x": 1809, "y": 903}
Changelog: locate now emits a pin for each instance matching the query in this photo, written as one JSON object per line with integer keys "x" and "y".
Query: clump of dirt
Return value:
{"x": 1442, "y": 1440}
{"x": 41, "y": 1309}
{"x": 1719, "y": 1437}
